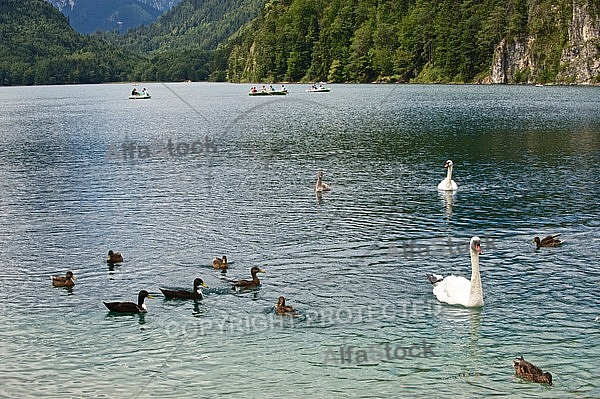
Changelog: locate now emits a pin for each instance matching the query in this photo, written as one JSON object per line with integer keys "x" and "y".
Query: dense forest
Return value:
{"x": 398, "y": 40}
{"x": 187, "y": 42}
{"x": 39, "y": 47}
{"x": 193, "y": 24}
{"x": 501, "y": 41}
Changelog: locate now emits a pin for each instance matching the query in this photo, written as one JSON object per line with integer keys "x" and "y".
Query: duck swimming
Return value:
{"x": 320, "y": 186}
{"x": 455, "y": 290}
{"x": 529, "y": 372}
{"x": 448, "y": 184}
{"x": 196, "y": 293}
{"x": 283, "y": 309}
{"x": 548, "y": 241}
{"x": 220, "y": 263}
{"x": 255, "y": 282}
{"x": 67, "y": 281}
{"x": 114, "y": 257}
{"x": 130, "y": 307}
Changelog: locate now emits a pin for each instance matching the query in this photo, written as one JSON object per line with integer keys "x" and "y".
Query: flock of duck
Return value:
{"x": 196, "y": 293}
{"x": 453, "y": 290}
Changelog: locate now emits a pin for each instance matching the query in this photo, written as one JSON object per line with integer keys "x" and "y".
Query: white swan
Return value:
{"x": 448, "y": 183}
{"x": 320, "y": 186}
{"x": 456, "y": 290}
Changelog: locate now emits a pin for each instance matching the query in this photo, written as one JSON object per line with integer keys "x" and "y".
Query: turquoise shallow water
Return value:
{"x": 353, "y": 261}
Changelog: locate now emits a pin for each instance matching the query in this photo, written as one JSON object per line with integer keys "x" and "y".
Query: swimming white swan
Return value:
{"x": 448, "y": 183}
{"x": 320, "y": 186}
{"x": 456, "y": 290}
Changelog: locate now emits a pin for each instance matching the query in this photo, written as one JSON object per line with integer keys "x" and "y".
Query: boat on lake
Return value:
{"x": 268, "y": 91}
{"x": 141, "y": 96}
{"x": 318, "y": 89}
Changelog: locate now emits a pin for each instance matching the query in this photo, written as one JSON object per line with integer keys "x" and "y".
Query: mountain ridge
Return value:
{"x": 420, "y": 41}
{"x": 88, "y": 16}
{"x": 40, "y": 47}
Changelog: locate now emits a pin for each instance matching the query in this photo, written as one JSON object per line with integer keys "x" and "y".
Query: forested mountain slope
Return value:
{"x": 429, "y": 41}
{"x": 501, "y": 41}
{"x": 39, "y": 47}
{"x": 87, "y": 16}
{"x": 194, "y": 24}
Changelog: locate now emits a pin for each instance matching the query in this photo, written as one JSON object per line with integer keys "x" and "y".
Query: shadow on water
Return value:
{"x": 141, "y": 317}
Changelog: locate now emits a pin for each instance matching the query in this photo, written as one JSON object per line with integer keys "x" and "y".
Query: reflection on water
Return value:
{"x": 447, "y": 199}
{"x": 353, "y": 260}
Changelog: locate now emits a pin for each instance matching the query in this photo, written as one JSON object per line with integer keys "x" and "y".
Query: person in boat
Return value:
{"x": 253, "y": 90}
{"x": 144, "y": 92}
{"x": 283, "y": 89}
{"x": 134, "y": 92}
{"x": 263, "y": 89}
{"x": 271, "y": 88}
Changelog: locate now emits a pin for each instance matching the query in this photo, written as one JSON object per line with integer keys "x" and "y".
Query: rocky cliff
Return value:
{"x": 518, "y": 60}
{"x": 580, "y": 61}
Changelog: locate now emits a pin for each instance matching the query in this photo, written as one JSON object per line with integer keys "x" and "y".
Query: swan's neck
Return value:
{"x": 319, "y": 185}
{"x": 476, "y": 294}
{"x": 449, "y": 174}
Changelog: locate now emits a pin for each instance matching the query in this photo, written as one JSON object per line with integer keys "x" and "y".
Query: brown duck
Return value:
{"x": 114, "y": 257}
{"x": 67, "y": 281}
{"x": 529, "y": 372}
{"x": 548, "y": 241}
{"x": 196, "y": 293}
{"x": 255, "y": 282}
{"x": 283, "y": 309}
{"x": 220, "y": 263}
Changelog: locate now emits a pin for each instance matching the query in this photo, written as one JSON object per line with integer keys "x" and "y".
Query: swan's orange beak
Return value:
{"x": 478, "y": 248}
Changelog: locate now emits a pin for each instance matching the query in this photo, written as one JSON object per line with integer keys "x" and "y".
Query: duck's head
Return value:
{"x": 224, "y": 258}
{"x": 518, "y": 360}
{"x": 548, "y": 377}
{"x": 70, "y": 275}
{"x": 144, "y": 294}
{"x": 110, "y": 253}
{"x": 200, "y": 283}
{"x": 255, "y": 270}
{"x": 448, "y": 164}
{"x": 281, "y": 301}
{"x": 476, "y": 245}
{"x": 536, "y": 240}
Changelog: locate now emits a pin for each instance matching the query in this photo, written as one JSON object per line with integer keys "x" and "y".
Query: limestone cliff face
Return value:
{"x": 509, "y": 59}
{"x": 580, "y": 61}
{"x": 515, "y": 61}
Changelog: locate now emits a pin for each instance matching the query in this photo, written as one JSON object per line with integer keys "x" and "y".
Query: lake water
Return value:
{"x": 84, "y": 170}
